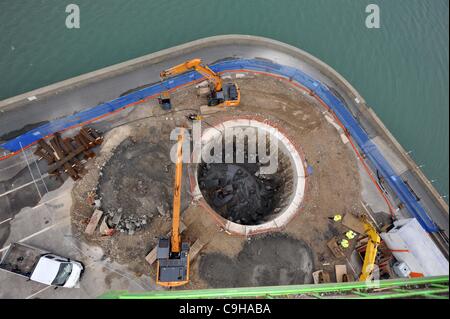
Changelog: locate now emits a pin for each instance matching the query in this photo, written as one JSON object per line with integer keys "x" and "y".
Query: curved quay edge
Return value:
{"x": 315, "y": 75}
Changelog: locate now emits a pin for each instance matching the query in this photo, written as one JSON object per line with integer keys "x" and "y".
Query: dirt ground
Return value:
{"x": 261, "y": 262}
{"x": 288, "y": 257}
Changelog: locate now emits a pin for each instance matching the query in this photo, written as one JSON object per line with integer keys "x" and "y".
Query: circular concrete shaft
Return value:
{"x": 256, "y": 195}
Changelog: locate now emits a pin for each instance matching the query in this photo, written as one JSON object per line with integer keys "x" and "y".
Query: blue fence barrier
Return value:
{"x": 336, "y": 105}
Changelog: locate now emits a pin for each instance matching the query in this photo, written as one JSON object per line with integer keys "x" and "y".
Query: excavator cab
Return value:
{"x": 172, "y": 268}
{"x": 228, "y": 96}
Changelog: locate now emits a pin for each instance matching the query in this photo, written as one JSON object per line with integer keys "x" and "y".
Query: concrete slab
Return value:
{"x": 397, "y": 164}
{"x": 370, "y": 193}
{"x": 52, "y": 210}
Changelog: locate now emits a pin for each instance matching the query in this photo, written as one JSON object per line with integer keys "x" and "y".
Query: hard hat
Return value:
{"x": 344, "y": 243}
{"x": 337, "y": 218}
{"x": 350, "y": 234}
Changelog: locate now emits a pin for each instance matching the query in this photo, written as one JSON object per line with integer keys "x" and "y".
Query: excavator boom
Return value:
{"x": 194, "y": 64}
{"x": 222, "y": 94}
{"x": 172, "y": 254}
{"x": 371, "y": 252}
{"x": 175, "y": 238}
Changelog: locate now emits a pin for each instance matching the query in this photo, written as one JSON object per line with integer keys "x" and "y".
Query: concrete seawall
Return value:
{"x": 220, "y": 47}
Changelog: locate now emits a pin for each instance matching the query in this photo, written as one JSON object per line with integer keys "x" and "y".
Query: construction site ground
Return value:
{"x": 133, "y": 174}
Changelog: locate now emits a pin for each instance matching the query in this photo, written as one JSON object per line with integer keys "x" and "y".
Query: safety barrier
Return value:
{"x": 317, "y": 88}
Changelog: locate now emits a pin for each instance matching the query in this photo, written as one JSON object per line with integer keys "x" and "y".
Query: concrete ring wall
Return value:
{"x": 289, "y": 149}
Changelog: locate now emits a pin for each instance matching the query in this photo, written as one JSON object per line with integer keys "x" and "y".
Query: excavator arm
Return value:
{"x": 172, "y": 254}
{"x": 176, "y": 238}
{"x": 194, "y": 64}
{"x": 371, "y": 252}
{"x": 221, "y": 94}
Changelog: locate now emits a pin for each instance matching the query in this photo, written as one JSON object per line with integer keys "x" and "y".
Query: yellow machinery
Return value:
{"x": 221, "y": 94}
{"x": 371, "y": 251}
{"x": 173, "y": 255}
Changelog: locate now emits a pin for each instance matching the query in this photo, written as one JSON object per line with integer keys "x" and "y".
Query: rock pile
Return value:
{"x": 128, "y": 224}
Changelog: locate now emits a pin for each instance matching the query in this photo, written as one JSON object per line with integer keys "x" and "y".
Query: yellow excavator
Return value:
{"x": 371, "y": 251}
{"x": 221, "y": 94}
{"x": 173, "y": 255}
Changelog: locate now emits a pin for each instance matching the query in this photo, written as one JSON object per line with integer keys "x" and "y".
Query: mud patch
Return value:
{"x": 270, "y": 260}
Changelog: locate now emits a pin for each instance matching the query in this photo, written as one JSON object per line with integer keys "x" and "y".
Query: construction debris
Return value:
{"x": 354, "y": 223}
{"x": 238, "y": 192}
{"x": 337, "y": 252}
{"x": 104, "y": 229}
{"x": 93, "y": 222}
{"x": 196, "y": 248}
{"x": 341, "y": 273}
{"x": 63, "y": 154}
{"x": 321, "y": 277}
{"x": 129, "y": 224}
{"x": 90, "y": 199}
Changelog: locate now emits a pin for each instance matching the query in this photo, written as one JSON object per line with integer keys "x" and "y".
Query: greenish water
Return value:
{"x": 402, "y": 69}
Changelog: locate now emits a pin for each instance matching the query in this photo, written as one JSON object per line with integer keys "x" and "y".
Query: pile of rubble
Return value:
{"x": 125, "y": 223}
{"x": 117, "y": 220}
{"x": 129, "y": 224}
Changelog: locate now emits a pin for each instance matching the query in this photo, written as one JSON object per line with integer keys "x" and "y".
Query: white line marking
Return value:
{"x": 6, "y": 220}
{"x": 37, "y": 206}
{"x": 37, "y": 233}
{"x": 11, "y": 166}
{"x": 22, "y": 186}
{"x": 36, "y": 293}
{"x": 50, "y": 200}
{"x": 31, "y": 171}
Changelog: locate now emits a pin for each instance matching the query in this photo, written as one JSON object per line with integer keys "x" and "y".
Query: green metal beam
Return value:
{"x": 438, "y": 286}
{"x": 436, "y": 297}
{"x": 406, "y": 294}
{"x": 315, "y": 290}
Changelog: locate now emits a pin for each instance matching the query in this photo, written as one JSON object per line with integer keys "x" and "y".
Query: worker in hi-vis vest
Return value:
{"x": 350, "y": 234}
{"x": 336, "y": 218}
{"x": 344, "y": 243}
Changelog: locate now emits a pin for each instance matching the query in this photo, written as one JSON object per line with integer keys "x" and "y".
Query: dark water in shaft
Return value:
{"x": 401, "y": 69}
